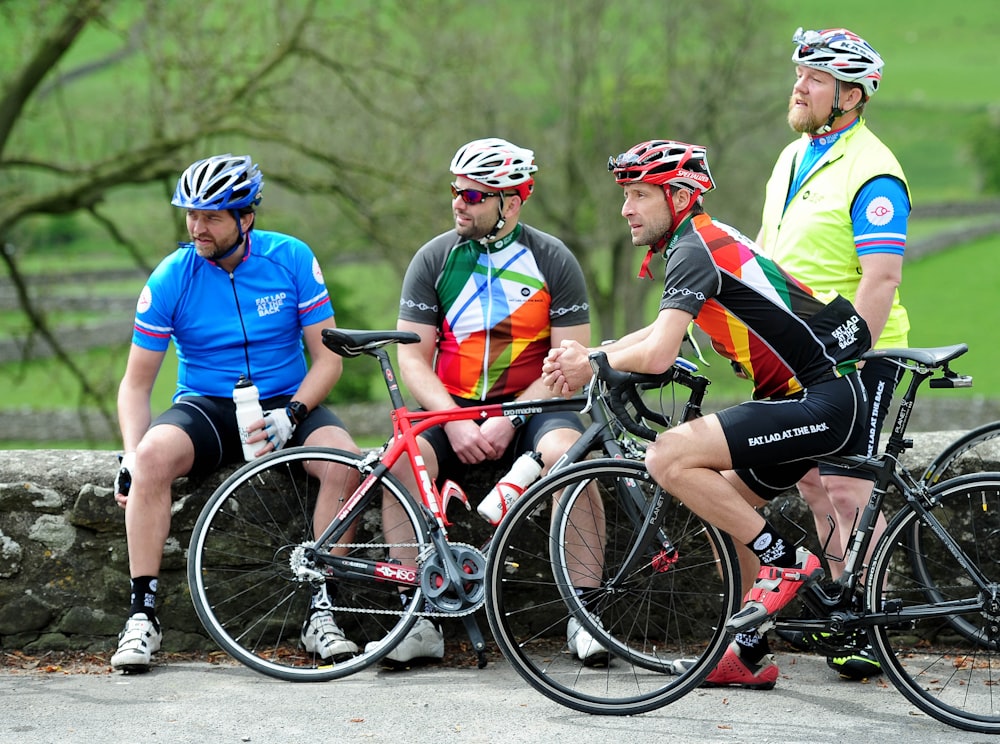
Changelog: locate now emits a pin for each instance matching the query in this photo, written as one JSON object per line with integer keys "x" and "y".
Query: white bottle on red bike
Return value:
{"x": 524, "y": 472}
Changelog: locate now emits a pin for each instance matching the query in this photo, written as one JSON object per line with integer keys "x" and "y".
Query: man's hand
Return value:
{"x": 123, "y": 478}
{"x": 566, "y": 368}
{"x": 278, "y": 427}
{"x": 469, "y": 443}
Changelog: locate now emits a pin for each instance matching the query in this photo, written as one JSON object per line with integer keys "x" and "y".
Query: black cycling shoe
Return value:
{"x": 862, "y": 664}
{"x": 818, "y": 640}
{"x": 797, "y": 639}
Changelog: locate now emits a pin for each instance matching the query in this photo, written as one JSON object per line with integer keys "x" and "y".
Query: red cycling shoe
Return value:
{"x": 733, "y": 671}
{"x": 774, "y": 588}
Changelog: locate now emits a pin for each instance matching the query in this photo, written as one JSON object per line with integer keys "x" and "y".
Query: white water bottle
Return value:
{"x": 524, "y": 472}
{"x": 248, "y": 411}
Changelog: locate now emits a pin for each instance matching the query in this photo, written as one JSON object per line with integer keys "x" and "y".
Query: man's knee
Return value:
{"x": 554, "y": 443}
{"x": 163, "y": 455}
{"x": 333, "y": 437}
{"x": 662, "y": 459}
{"x": 847, "y": 494}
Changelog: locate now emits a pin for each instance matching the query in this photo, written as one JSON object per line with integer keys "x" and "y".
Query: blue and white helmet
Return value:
{"x": 843, "y": 54}
{"x": 230, "y": 182}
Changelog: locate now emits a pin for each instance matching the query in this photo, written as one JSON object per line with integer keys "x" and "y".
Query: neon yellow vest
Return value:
{"x": 814, "y": 239}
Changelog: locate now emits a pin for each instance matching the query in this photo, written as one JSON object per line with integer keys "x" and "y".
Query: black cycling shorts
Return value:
{"x": 210, "y": 423}
{"x": 880, "y": 378}
{"x": 773, "y": 443}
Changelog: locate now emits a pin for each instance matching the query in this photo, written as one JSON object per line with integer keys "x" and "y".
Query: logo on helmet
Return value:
{"x": 694, "y": 176}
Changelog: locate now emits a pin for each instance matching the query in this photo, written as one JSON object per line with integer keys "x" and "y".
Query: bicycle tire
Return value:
{"x": 982, "y": 519}
{"x": 647, "y": 621}
{"x": 947, "y": 673}
{"x": 240, "y": 566}
{"x": 965, "y": 455}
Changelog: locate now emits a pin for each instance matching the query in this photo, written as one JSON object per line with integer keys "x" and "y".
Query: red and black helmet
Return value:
{"x": 664, "y": 163}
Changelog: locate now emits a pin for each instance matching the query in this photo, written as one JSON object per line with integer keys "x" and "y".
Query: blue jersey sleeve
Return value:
{"x": 880, "y": 213}
{"x": 154, "y": 311}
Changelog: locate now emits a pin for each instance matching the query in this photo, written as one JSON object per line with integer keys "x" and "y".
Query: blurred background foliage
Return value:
{"x": 353, "y": 109}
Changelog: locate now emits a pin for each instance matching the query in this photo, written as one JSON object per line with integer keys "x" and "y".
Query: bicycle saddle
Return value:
{"x": 932, "y": 357}
{"x": 350, "y": 343}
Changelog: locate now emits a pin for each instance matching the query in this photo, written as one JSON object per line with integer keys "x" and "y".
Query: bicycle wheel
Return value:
{"x": 252, "y": 578}
{"x": 974, "y": 516}
{"x": 648, "y": 606}
{"x": 975, "y": 452}
{"x": 942, "y": 647}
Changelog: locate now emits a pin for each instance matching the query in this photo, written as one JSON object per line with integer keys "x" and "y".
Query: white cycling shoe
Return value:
{"x": 583, "y": 645}
{"x": 136, "y": 644}
{"x": 424, "y": 642}
{"x": 322, "y": 636}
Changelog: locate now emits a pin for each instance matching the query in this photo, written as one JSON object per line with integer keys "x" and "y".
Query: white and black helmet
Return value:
{"x": 496, "y": 163}
{"x": 843, "y": 54}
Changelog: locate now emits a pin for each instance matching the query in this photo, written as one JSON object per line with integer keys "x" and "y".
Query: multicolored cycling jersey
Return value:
{"x": 218, "y": 320}
{"x": 494, "y": 307}
{"x": 785, "y": 337}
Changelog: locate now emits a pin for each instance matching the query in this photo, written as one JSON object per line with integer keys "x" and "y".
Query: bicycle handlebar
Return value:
{"x": 623, "y": 388}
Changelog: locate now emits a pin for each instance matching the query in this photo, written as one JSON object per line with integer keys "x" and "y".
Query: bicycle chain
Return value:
{"x": 421, "y": 559}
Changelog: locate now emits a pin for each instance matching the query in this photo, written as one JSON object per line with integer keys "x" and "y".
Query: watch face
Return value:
{"x": 297, "y": 411}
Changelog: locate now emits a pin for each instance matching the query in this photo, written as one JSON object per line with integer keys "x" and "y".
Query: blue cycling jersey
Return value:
{"x": 218, "y": 320}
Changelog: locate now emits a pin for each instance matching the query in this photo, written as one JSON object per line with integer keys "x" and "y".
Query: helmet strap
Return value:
{"x": 492, "y": 234}
{"x": 675, "y": 219}
{"x": 239, "y": 240}
{"x": 836, "y": 112}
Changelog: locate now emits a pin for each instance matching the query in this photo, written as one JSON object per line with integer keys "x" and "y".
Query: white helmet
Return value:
{"x": 496, "y": 163}
{"x": 843, "y": 54}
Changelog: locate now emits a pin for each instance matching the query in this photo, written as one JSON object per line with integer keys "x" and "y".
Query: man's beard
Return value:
{"x": 803, "y": 120}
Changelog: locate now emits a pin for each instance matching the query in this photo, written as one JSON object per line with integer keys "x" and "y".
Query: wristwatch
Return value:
{"x": 517, "y": 421}
{"x": 297, "y": 411}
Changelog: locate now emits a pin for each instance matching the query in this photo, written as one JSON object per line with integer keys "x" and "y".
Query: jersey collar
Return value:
{"x": 501, "y": 243}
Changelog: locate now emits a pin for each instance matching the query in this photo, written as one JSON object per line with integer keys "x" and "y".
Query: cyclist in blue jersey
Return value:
{"x": 835, "y": 217}
{"x": 236, "y": 302}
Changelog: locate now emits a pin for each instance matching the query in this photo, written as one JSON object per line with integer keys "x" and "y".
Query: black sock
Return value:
{"x": 143, "y": 596}
{"x": 772, "y": 549}
{"x": 753, "y": 646}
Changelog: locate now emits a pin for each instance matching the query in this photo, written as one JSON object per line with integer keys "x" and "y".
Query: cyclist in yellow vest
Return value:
{"x": 835, "y": 217}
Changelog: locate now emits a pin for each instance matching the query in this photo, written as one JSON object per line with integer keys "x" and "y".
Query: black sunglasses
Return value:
{"x": 472, "y": 196}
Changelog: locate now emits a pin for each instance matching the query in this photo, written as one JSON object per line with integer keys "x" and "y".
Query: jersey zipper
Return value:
{"x": 489, "y": 323}
{"x": 239, "y": 312}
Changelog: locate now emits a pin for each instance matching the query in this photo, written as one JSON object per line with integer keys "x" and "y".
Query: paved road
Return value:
{"x": 222, "y": 704}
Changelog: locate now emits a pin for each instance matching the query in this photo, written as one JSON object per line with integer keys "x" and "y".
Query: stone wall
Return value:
{"x": 64, "y": 579}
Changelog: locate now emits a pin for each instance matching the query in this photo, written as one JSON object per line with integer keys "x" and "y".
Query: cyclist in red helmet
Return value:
{"x": 788, "y": 340}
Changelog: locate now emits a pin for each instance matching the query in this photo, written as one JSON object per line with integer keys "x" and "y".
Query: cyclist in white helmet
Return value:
{"x": 235, "y": 301}
{"x": 489, "y": 299}
{"x": 835, "y": 216}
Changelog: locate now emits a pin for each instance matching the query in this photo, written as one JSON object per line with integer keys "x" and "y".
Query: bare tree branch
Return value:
{"x": 48, "y": 51}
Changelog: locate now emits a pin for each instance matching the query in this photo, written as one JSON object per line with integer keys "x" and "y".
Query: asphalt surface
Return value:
{"x": 200, "y": 702}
